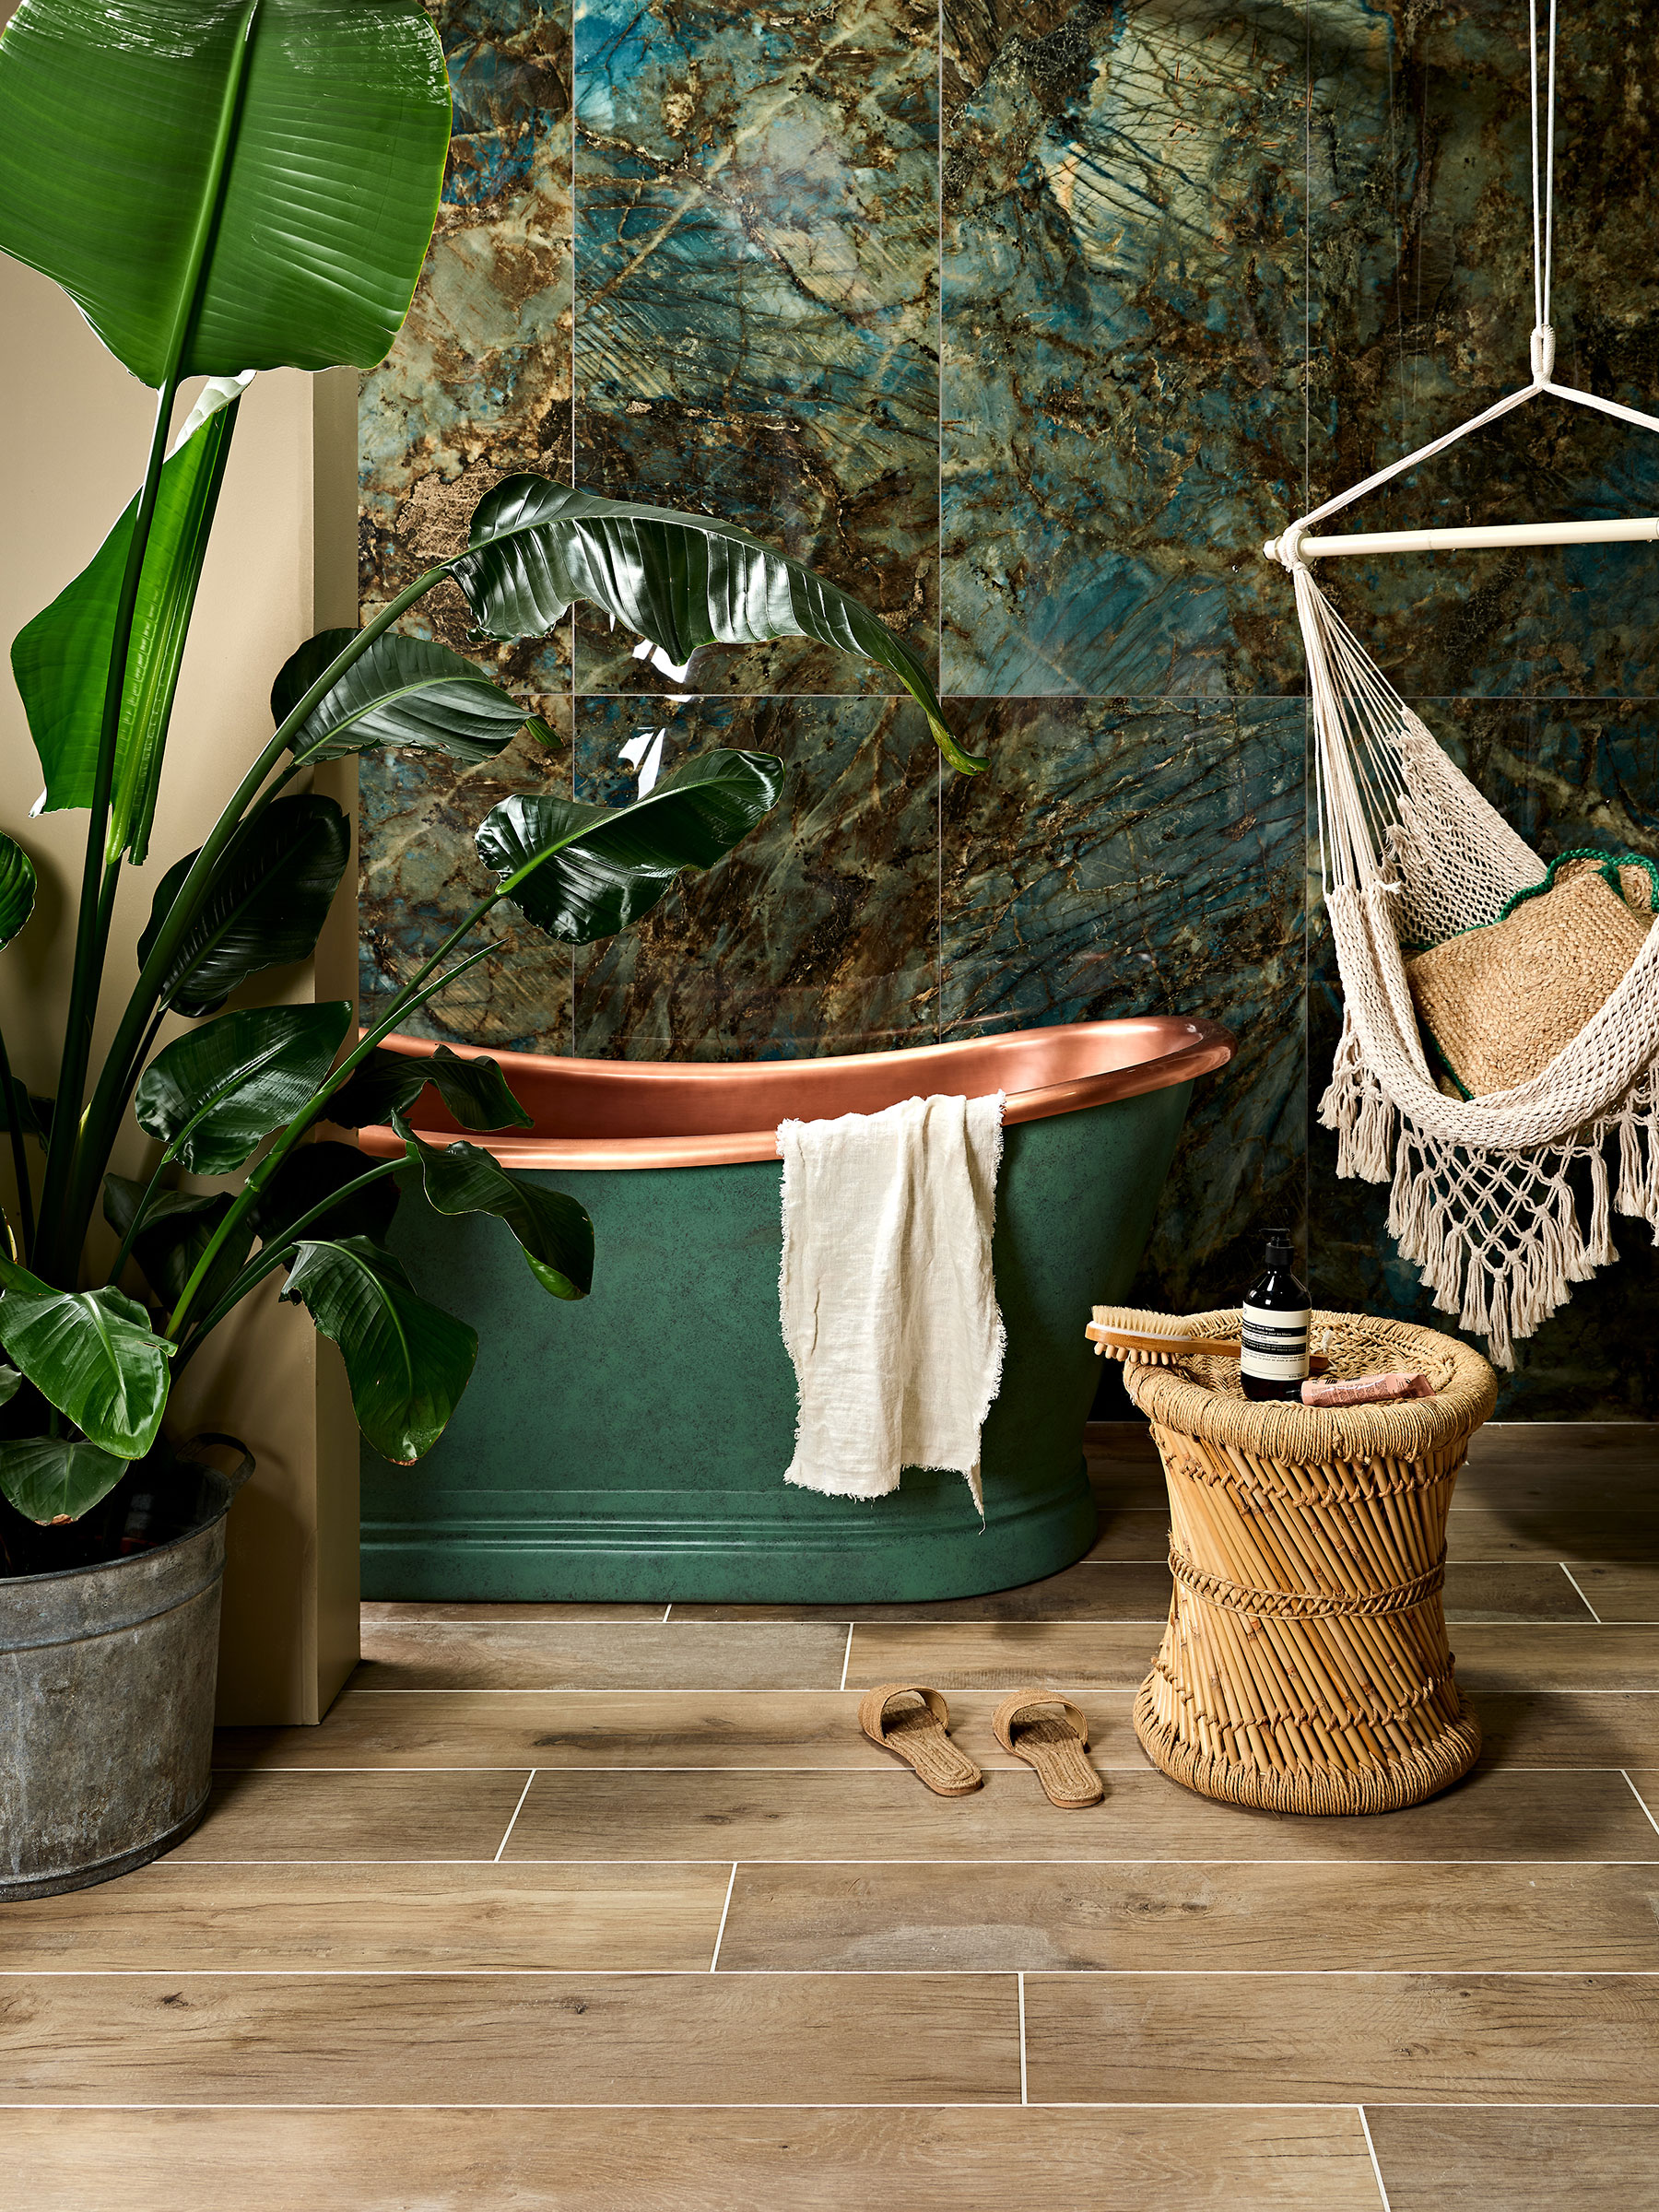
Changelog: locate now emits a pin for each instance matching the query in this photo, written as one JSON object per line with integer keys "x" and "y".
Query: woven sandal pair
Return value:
{"x": 1039, "y": 1725}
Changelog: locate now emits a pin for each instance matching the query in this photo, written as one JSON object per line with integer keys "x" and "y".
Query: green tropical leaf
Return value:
{"x": 375, "y": 1090}
{"x": 11, "y": 1382}
{"x": 17, "y": 888}
{"x": 554, "y": 1233}
{"x": 402, "y": 691}
{"x": 32, "y": 1115}
{"x": 681, "y": 579}
{"x": 312, "y": 1176}
{"x": 177, "y": 1230}
{"x": 473, "y": 1087}
{"x": 90, "y": 1353}
{"x": 408, "y": 1361}
{"x": 265, "y": 906}
{"x": 225, "y": 185}
{"x": 52, "y": 1479}
{"x": 582, "y": 872}
{"x": 474, "y": 1090}
{"x": 214, "y": 1092}
{"x": 62, "y": 658}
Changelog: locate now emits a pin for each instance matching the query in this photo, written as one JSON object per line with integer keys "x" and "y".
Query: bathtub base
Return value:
{"x": 631, "y": 1448}
{"x": 925, "y": 1543}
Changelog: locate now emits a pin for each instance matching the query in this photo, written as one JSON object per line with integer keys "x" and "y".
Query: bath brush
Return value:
{"x": 1158, "y": 1339}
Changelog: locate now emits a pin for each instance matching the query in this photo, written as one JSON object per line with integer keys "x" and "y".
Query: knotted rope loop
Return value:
{"x": 1542, "y": 354}
{"x": 1303, "y": 1605}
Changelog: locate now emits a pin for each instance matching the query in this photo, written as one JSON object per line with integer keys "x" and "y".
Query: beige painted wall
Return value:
{"x": 281, "y": 565}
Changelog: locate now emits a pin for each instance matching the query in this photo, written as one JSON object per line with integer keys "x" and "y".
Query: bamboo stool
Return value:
{"x": 1305, "y": 1668}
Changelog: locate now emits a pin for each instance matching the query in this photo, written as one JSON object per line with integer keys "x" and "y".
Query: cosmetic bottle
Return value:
{"x": 1274, "y": 1335}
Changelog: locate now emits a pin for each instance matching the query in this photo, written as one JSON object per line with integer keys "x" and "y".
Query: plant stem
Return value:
{"x": 97, "y": 893}
{"x": 272, "y": 1256}
{"x": 122, "y": 1064}
{"x": 137, "y": 1223}
{"x": 19, "y": 1157}
{"x": 411, "y": 995}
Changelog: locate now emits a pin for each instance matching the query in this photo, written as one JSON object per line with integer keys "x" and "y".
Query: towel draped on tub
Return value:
{"x": 885, "y": 1292}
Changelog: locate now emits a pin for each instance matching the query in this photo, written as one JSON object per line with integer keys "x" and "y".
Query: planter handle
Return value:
{"x": 210, "y": 1447}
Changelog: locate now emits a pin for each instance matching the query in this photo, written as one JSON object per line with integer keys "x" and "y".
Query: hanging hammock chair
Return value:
{"x": 1502, "y": 1200}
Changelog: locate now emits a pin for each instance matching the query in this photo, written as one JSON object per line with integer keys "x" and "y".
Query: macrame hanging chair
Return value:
{"x": 1501, "y": 1200}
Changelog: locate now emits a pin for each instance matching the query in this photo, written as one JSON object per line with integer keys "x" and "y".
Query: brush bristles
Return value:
{"x": 1132, "y": 1322}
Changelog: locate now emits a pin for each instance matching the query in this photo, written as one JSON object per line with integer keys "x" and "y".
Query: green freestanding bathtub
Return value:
{"x": 633, "y": 1446}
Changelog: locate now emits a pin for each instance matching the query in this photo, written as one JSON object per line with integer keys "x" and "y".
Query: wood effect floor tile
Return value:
{"x": 1194, "y": 1918}
{"x": 624, "y": 1655}
{"x": 345, "y": 1815}
{"x": 1538, "y": 2161}
{"x": 1645, "y": 1781}
{"x": 1135, "y": 1533}
{"x": 626, "y": 1728}
{"x": 178, "y": 1915}
{"x": 1565, "y": 1728}
{"x": 1510, "y": 1590}
{"x": 1443, "y": 2038}
{"x": 509, "y": 2039}
{"x": 888, "y": 1815}
{"x": 1478, "y": 1530}
{"x": 694, "y": 2161}
{"x": 1009, "y": 1654}
{"x": 1619, "y": 1593}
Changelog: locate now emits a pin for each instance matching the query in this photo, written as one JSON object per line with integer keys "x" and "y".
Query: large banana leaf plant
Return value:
{"x": 224, "y": 187}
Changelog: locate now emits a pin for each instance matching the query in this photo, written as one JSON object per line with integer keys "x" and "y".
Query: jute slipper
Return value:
{"x": 915, "y": 1733}
{"x": 1049, "y": 1733}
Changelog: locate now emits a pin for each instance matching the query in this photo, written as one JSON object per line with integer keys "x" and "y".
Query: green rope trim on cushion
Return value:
{"x": 1610, "y": 864}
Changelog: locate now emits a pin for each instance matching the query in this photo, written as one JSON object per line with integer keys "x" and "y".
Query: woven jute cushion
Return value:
{"x": 1498, "y": 1004}
{"x": 1205, "y": 1397}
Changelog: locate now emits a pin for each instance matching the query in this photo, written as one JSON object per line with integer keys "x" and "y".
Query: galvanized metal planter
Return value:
{"x": 106, "y": 1678}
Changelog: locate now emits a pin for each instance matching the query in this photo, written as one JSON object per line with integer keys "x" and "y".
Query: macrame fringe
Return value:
{"x": 1496, "y": 1236}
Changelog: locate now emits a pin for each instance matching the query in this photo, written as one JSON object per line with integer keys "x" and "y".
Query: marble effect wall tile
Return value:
{"x": 1137, "y": 856}
{"x": 819, "y": 934}
{"x": 1196, "y": 257}
{"x": 758, "y": 243}
{"x": 1125, "y": 306}
{"x": 1420, "y": 307}
{"x": 478, "y": 384}
{"x": 421, "y": 875}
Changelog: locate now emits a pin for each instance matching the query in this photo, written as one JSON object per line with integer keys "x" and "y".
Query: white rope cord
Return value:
{"x": 1483, "y": 1191}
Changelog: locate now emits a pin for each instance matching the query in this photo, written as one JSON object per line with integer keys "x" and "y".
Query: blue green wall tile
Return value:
{"x": 1420, "y": 307}
{"x": 1131, "y": 857}
{"x": 1124, "y": 310}
{"x": 422, "y": 876}
{"x": 478, "y": 384}
{"x": 757, "y": 244}
{"x": 819, "y": 934}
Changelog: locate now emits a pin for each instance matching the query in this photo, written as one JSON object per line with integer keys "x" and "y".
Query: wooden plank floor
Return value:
{"x": 613, "y": 1910}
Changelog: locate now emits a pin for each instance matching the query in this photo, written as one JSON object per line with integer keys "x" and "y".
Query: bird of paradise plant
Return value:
{"x": 226, "y": 187}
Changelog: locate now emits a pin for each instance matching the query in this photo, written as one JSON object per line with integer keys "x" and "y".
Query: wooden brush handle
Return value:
{"x": 1217, "y": 1347}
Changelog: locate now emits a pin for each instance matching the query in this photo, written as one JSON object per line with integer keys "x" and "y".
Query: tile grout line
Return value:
{"x": 847, "y": 1655}
{"x": 517, "y": 1809}
{"x": 1640, "y": 1800}
{"x": 1376, "y": 2168}
{"x": 1024, "y": 2084}
{"x": 720, "y": 1932}
{"x": 1573, "y": 1580}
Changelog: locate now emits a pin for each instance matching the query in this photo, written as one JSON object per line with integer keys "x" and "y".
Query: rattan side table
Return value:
{"x": 1305, "y": 1667}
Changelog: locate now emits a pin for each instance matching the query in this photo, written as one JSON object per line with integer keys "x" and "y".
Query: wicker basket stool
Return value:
{"x": 1305, "y": 1668}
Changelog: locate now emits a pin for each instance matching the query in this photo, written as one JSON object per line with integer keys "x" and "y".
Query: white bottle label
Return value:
{"x": 1276, "y": 1344}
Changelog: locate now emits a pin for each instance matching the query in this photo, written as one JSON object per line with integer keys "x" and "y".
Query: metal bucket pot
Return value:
{"x": 107, "y": 1676}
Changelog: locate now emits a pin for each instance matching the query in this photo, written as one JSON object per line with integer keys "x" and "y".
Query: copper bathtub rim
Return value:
{"x": 1205, "y": 1047}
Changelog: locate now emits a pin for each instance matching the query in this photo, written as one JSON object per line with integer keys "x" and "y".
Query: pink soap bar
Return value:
{"x": 1364, "y": 1389}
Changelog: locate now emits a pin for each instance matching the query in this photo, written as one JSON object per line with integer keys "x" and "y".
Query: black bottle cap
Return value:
{"x": 1279, "y": 1247}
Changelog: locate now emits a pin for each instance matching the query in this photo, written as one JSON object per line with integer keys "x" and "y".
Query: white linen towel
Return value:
{"x": 885, "y": 1292}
